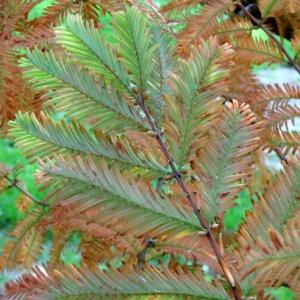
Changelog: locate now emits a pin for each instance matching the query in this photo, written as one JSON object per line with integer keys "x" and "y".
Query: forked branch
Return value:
{"x": 14, "y": 183}
{"x": 260, "y": 25}
{"x": 177, "y": 175}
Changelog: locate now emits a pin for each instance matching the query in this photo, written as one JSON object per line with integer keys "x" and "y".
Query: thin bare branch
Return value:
{"x": 260, "y": 25}
{"x": 14, "y": 183}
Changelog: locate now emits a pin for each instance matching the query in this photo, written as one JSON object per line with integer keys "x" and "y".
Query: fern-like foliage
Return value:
{"x": 142, "y": 149}
{"x": 224, "y": 165}
{"x": 279, "y": 255}
{"x": 223, "y": 20}
{"x": 197, "y": 85}
{"x": 96, "y": 284}
{"x": 18, "y": 30}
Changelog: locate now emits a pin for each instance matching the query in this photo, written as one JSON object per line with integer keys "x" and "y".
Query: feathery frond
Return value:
{"x": 17, "y": 31}
{"x": 25, "y": 243}
{"x": 163, "y": 63}
{"x": 101, "y": 215}
{"x": 277, "y": 106}
{"x": 144, "y": 138}
{"x": 202, "y": 26}
{"x": 279, "y": 255}
{"x": 178, "y": 5}
{"x": 257, "y": 51}
{"x": 45, "y": 137}
{"x": 91, "y": 49}
{"x": 197, "y": 86}
{"x": 123, "y": 284}
{"x": 111, "y": 180}
{"x": 133, "y": 39}
{"x": 226, "y": 162}
{"x": 279, "y": 203}
{"x": 234, "y": 27}
{"x": 77, "y": 92}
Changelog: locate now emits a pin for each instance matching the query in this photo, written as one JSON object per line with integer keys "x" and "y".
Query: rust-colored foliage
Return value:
{"x": 17, "y": 32}
{"x": 164, "y": 125}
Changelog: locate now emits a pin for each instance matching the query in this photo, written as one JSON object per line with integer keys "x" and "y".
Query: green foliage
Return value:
{"x": 236, "y": 215}
{"x": 150, "y": 163}
{"x": 281, "y": 293}
{"x": 38, "y": 9}
{"x": 11, "y": 156}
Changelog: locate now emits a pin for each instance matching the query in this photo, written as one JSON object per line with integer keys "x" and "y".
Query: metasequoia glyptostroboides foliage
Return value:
{"x": 162, "y": 129}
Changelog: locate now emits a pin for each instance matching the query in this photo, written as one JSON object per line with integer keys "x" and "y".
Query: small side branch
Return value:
{"x": 14, "y": 183}
{"x": 259, "y": 24}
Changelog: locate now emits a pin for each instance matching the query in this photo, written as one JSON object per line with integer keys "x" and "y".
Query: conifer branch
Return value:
{"x": 260, "y": 25}
{"x": 177, "y": 175}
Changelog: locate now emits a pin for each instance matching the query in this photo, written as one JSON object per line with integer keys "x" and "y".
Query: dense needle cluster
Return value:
{"x": 144, "y": 138}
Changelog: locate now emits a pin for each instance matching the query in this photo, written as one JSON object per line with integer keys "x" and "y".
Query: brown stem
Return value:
{"x": 259, "y": 24}
{"x": 149, "y": 243}
{"x": 281, "y": 155}
{"x": 177, "y": 175}
{"x": 15, "y": 184}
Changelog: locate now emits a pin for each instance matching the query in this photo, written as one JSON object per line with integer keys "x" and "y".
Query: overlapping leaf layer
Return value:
{"x": 110, "y": 175}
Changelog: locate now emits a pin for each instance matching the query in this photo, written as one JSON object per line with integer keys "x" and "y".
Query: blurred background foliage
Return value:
{"x": 11, "y": 156}
{"x": 11, "y": 209}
